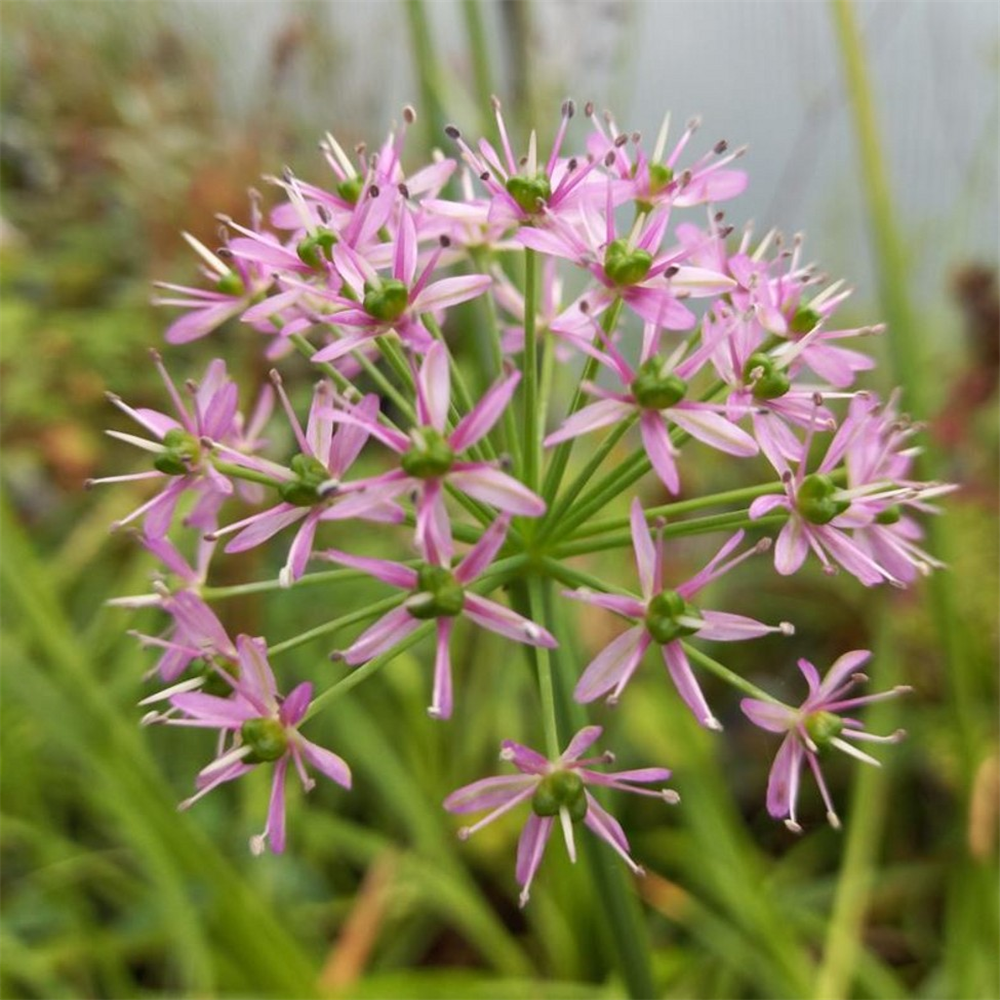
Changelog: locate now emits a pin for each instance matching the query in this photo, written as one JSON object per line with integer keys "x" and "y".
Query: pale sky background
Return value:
{"x": 761, "y": 72}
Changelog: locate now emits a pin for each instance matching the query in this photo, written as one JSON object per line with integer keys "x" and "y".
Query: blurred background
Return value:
{"x": 124, "y": 124}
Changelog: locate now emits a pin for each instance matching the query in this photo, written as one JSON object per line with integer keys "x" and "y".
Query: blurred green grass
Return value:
{"x": 108, "y": 892}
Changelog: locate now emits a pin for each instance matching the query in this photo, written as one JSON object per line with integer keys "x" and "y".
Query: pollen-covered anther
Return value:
{"x": 463, "y": 833}
{"x": 336, "y": 656}
{"x": 833, "y": 819}
{"x": 786, "y": 628}
{"x": 764, "y": 545}
{"x": 409, "y": 114}
{"x": 793, "y": 826}
{"x": 669, "y": 795}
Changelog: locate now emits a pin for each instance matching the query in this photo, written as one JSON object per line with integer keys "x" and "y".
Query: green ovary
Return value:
{"x": 560, "y": 790}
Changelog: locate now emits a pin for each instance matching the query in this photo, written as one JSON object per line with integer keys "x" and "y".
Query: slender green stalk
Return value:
{"x": 566, "y": 498}
{"x": 336, "y": 624}
{"x": 560, "y": 458}
{"x": 695, "y": 526}
{"x": 532, "y": 441}
{"x": 266, "y": 586}
{"x": 543, "y": 665}
{"x": 242, "y": 472}
{"x": 428, "y": 73}
{"x": 681, "y": 507}
{"x": 730, "y": 677}
{"x": 479, "y": 53}
{"x": 577, "y": 578}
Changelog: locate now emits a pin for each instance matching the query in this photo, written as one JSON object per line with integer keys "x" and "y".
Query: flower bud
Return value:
{"x": 624, "y": 266}
{"x": 430, "y": 455}
{"x": 529, "y": 191}
{"x": 303, "y": 491}
{"x": 266, "y": 739}
{"x": 763, "y": 379}
{"x": 315, "y": 247}
{"x": 561, "y": 789}
{"x": 388, "y": 302}
{"x": 438, "y": 594}
{"x": 662, "y": 614}
{"x": 657, "y": 389}
{"x": 816, "y": 501}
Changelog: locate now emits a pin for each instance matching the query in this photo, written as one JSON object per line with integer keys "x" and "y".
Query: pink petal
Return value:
{"x": 645, "y": 551}
{"x": 441, "y": 700}
{"x": 488, "y": 793}
{"x": 767, "y": 715}
{"x": 605, "y": 826}
{"x": 764, "y": 505}
{"x": 226, "y": 713}
{"x": 842, "y": 669}
{"x": 276, "y": 808}
{"x": 725, "y": 627}
{"x": 484, "y": 551}
{"x": 393, "y": 573}
{"x": 792, "y": 546}
{"x": 383, "y": 635}
{"x": 581, "y": 742}
{"x": 687, "y": 686}
{"x": 480, "y": 420}
{"x": 434, "y": 388}
{"x": 620, "y": 604}
{"x": 614, "y": 665}
{"x": 495, "y": 617}
{"x": 714, "y": 430}
{"x": 326, "y": 762}
{"x": 659, "y": 449}
{"x": 783, "y": 781}
{"x": 530, "y": 849}
{"x": 496, "y": 488}
{"x": 451, "y": 291}
{"x": 295, "y": 705}
{"x": 590, "y": 418}
{"x": 266, "y": 524}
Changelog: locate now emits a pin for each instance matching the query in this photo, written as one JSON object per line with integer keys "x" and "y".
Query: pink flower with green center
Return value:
{"x": 182, "y": 448}
{"x": 631, "y": 267}
{"x": 812, "y": 729}
{"x": 557, "y": 791}
{"x": 656, "y": 392}
{"x": 821, "y": 513}
{"x": 523, "y": 191}
{"x": 441, "y": 594}
{"x": 665, "y": 617}
{"x": 656, "y": 178}
{"x": 309, "y": 487}
{"x": 257, "y": 727}
{"x": 377, "y": 305}
{"x": 430, "y": 456}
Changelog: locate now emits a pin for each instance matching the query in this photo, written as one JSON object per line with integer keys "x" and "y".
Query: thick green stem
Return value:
{"x": 620, "y": 904}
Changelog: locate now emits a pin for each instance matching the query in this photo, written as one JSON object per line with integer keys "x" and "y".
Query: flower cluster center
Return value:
{"x": 816, "y": 500}
{"x": 663, "y": 614}
{"x": 429, "y": 456}
{"x": 657, "y": 388}
{"x": 438, "y": 594}
{"x": 266, "y": 739}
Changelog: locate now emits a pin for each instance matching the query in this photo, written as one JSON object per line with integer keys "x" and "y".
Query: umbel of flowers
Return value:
{"x": 685, "y": 337}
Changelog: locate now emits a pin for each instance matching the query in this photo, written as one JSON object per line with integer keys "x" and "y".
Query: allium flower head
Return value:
{"x": 812, "y": 729}
{"x": 558, "y": 791}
